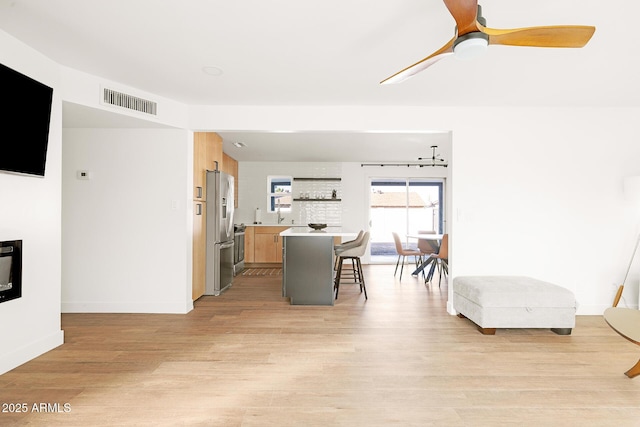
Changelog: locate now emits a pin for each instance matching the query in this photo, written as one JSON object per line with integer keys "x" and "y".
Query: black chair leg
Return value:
{"x": 443, "y": 267}
{"x": 363, "y": 287}
{"x": 358, "y": 275}
{"x": 337, "y": 279}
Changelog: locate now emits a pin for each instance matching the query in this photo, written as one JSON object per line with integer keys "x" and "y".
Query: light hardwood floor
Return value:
{"x": 248, "y": 358}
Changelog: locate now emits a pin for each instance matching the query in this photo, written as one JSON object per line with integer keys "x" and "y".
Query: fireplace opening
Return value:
{"x": 10, "y": 270}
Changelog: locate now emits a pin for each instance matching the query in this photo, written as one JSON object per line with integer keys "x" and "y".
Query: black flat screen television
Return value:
{"x": 25, "y": 116}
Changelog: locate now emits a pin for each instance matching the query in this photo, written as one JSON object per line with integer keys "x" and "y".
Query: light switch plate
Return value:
{"x": 86, "y": 175}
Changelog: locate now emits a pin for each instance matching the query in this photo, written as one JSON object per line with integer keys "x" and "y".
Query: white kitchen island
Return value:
{"x": 307, "y": 264}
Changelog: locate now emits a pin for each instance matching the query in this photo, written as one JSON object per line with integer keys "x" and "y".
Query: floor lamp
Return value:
{"x": 632, "y": 192}
{"x": 621, "y": 288}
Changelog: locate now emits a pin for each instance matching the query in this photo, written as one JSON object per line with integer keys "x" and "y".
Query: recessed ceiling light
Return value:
{"x": 239, "y": 144}
{"x": 213, "y": 71}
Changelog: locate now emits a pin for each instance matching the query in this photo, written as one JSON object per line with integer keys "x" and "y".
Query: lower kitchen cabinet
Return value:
{"x": 267, "y": 244}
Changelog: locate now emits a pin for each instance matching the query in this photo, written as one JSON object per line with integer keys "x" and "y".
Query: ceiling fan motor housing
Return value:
{"x": 471, "y": 45}
{"x": 474, "y": 44}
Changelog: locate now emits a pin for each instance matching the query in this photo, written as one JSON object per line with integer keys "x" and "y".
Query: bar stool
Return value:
{"x": 338, "y": 249}
{"x": 353, "y": 254}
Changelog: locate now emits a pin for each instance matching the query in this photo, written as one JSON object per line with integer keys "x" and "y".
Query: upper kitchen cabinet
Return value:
{"x": 230, "y": 166}
{"x": 199, "y": 159}
{"x": 207, "y": 150}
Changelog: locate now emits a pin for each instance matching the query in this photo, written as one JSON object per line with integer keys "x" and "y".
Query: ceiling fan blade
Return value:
{"x": 414, "y": 69}
{"x": 465, "y": 13}
{"x": 553, "y": 36}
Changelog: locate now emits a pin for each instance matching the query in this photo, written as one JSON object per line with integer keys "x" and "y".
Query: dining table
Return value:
{"x": 626, "y": 322}
{"x": 429, "y": 262}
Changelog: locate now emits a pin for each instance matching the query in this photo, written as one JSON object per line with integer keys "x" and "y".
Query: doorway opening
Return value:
{"x": 405, "y": 206}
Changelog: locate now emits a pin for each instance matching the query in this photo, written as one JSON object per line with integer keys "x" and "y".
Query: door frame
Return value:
{"x": 443, "y": 193}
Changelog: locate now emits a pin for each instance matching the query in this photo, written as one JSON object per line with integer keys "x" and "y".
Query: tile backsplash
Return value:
{"x": 313, "y": 202}
{"x": 253, "y": 192}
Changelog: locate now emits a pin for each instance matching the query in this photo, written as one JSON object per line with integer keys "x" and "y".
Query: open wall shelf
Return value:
{"x": 317, "y": 179}
{"x": 317, "y": 200}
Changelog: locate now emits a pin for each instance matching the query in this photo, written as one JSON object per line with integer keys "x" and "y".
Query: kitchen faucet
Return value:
{"x": 280, "y": 217}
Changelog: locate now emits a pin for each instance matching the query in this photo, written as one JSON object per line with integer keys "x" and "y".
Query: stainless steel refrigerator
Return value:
{"x": 220, "y": 229}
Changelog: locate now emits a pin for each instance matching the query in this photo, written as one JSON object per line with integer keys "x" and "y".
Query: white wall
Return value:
{"x": 31, "y": 212}
{"x": 86, "y": 90}
{"x": 127, "y": 230}
{"x": 539, "y": 192}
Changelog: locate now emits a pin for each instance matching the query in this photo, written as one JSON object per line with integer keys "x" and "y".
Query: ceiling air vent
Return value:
{"x": 119, "y": 99}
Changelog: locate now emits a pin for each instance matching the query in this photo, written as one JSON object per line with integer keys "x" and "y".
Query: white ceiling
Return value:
{"x": 337, "y": 146}
{"x": 329, "y": 52}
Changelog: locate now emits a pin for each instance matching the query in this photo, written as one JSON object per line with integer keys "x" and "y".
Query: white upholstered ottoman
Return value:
{"x": 514, "y": 302}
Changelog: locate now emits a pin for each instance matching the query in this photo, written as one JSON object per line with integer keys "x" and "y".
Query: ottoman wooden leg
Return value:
{"x": 485, "y": 331}
{"x": 562, "y": 331}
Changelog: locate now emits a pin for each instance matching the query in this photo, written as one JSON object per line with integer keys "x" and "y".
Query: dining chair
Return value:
{"x": 403, "y": 253}
{"x": 441, "y": 258}
{"x": 352, "y": 253}
{"x": 426, "y": 247}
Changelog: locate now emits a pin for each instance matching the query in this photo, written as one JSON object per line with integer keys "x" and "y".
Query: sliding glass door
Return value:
{"x": 404, "y": 206}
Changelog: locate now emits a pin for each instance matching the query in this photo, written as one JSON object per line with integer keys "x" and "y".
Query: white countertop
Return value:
{"x": 310, "y": 232}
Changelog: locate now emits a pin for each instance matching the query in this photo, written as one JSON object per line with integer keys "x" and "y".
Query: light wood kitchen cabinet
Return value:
{"x": 199, "y": 249}
{"x": 207, "y": 150}
{"x": 267, "y": 244}
{"x": 214, "y": 151}
{"x": 248, "y": 244}
{"x": 199, "y": 161}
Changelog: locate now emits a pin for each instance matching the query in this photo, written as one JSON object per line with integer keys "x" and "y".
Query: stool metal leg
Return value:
{"x": 357, "y": 273}
{"x": 338, "y": 274}
{"x": 362, "y": 285}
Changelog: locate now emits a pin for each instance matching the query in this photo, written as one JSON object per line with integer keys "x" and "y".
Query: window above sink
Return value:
{"x": 279, "y": 194}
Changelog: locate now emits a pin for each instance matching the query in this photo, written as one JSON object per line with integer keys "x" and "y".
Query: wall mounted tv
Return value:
{"x": 25, "y": 115}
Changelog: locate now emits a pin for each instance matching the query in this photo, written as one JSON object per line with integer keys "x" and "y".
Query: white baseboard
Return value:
{"x": 127, "y": 307}
{"x": 17, "y": 357}
{"x": 598, "y": 310}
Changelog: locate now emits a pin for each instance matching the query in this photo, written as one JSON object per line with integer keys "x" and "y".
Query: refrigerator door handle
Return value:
{"x": 226, "y": 245}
